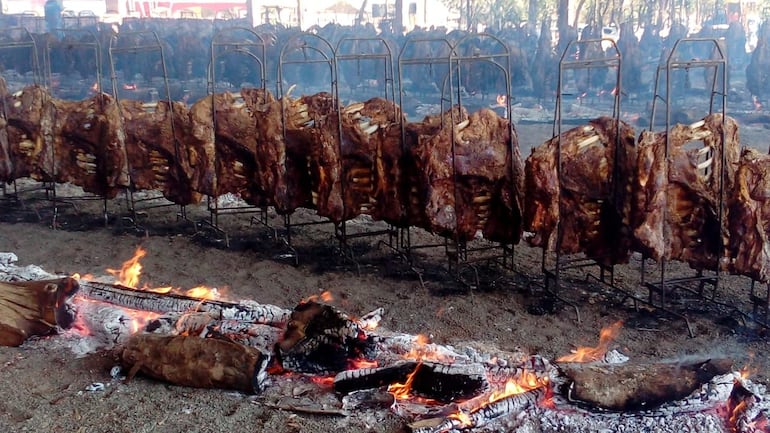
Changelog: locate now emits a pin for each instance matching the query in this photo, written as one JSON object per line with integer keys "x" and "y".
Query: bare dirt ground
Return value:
{"x": 44, "y": 384}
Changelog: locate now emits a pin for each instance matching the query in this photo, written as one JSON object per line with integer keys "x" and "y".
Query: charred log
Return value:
{"x": 321, "y": 339}
{"x": 597, "y": 165}
{"x": 348, "y": 381}
{"x": 506, "y": 406}
{"x": 631, "y": 387}
{"x": 34, "y": 308}
{"x": 678, "y": 197}
{"x": 196, "y": 362}
{"x": 170, "y": 302}
{"x": 440, "y": 382}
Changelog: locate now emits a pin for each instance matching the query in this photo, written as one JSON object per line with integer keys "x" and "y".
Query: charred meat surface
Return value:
{"x": 27, "y": 119}
{"x": 157, "y": 157}
{"x": 470, "y": 188}
{"x": 354, "y": 173}
{"x": 678, "y": 198}
{"x": 89, "y": 149}
{"x": 749, "y": 214}
{"x": 592, "y": 202}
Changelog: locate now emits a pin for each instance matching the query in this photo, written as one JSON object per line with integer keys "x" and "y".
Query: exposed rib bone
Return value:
{"x": 588, "y": 142}
{"x": 353, "y": 108}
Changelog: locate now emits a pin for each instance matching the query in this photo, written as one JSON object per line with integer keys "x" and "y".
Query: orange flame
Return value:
{"x": 358, "y": 363}
{"x": 422, "y": 350}
{"x": 401, "y": 390}
{"x": 202, "y": 292}
{"x": 463, "y": 418}
{"x": 526, "y": 381}
{"x": 128, "y": 274}
{"x": 325, "y": 296}
{"x": 323, "y": 381}
{"x": 589, "y": 354}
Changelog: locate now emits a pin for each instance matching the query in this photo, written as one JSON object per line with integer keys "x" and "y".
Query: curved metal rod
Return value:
{"x": 93, "y": 43}
{"x": 26, "y": 41}
{"x": 565, "y": 63}
{"x": 239, "y": 47}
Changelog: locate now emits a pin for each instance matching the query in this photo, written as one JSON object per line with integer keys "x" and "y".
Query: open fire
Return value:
{"x": 190, "y": 337}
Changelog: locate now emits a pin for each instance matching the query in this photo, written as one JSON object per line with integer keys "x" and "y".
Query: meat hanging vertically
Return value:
{"x": 590, "y": 208}
{"x": 88, "y": 145}
{"x": 351, "y": 172}
{"x": 225, "y": 128}
{"x": 749, "y": 217}
{"x": 26, "y": 119}
{"x": 471, "y": 189}
{"x": 157, "y": 157}
{"x": 678, "y": 198}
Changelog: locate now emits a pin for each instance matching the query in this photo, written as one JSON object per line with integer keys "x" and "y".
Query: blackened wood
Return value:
{"x": 441, "y": 382}
{"x": 367, "y": 378}
{"x": 449, "y": 382}
{"x": 321, "y": 339}
{"x": 629, "y": 387}
{"x": 171, "y": 302}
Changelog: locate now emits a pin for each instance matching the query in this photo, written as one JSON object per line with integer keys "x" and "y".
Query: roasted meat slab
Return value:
{"x": 678, "y": 198}
{"x": 592, "y": 203}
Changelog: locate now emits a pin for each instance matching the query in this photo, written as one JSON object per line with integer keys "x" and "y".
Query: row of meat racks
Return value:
{"x": 463, "y": 256}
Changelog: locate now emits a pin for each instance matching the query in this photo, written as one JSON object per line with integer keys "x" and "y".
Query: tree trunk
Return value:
{"x": 398, "y": 22}
{"x": 532, "y": 12}
{"x": 299, "y": 14}
{"x": 578, "y": 9}
{"x": 562, "y": 22}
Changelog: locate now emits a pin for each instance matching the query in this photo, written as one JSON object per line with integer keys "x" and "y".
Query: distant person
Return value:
{"x": 53, "y": 11}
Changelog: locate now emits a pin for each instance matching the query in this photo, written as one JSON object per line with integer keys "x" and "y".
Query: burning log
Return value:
{"x": 196, "y": 362}
{"x": 319, "y": 339}
{"x": 171, "y": 302}
{"x": 597, "y": 163}
{"x": 629, "y": 387}
{"x": 206, "y": 324}
{"x": 441, "y": 382}
{"x": 34, "y": 308}
{"x": 479, "y": 417}
{"x": 678, "y": 196}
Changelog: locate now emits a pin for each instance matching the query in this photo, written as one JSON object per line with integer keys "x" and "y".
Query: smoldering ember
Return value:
{"x": 197, "y": 340}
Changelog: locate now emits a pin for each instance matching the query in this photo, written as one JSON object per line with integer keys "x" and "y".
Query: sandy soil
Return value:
{"x": 45, "y": 385}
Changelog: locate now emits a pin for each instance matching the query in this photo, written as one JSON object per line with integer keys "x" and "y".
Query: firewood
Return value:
{"x": 34, "y": 308}
{"x": 196, "y": 362}
{"x": 171, "y": 302}
{"x": 441, "y": 382}
{"x": 628, "y": 387}
{"x": 321, "y": 339}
